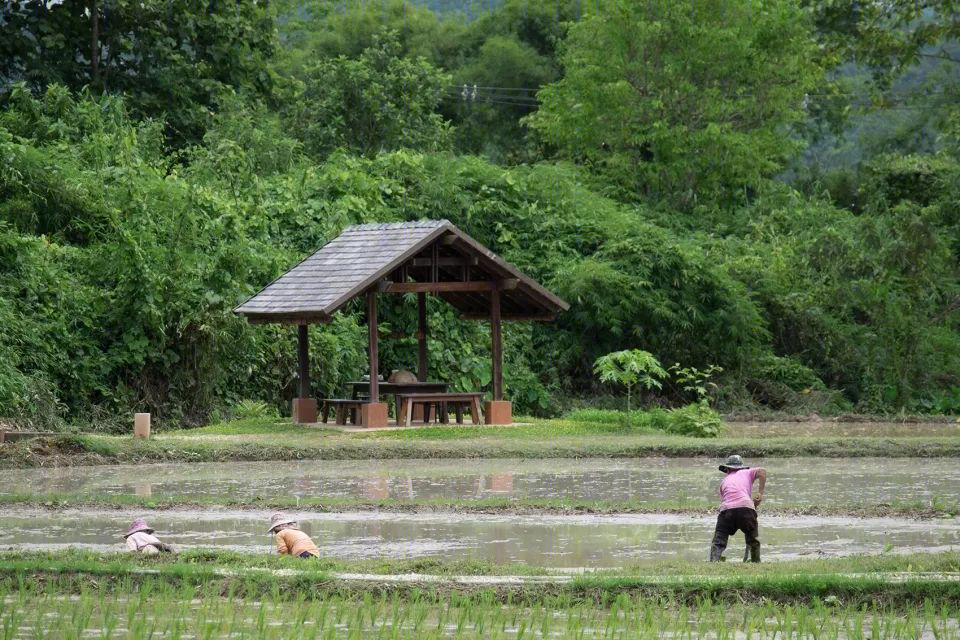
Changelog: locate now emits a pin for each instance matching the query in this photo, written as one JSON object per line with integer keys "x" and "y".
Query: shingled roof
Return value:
{"x": 369, "y": 255}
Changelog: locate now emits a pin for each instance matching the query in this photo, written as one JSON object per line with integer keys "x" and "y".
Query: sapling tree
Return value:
{"x": 630, "y": 367}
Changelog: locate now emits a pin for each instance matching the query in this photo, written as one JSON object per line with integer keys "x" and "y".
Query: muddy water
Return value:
{"x": 548, "y": 541}
{"x": 792, "y": 481}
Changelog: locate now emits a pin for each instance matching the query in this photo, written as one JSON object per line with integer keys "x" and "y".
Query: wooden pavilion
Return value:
{"x": 428, "y": 256}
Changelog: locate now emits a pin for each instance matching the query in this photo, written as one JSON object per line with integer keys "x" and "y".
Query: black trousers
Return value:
{"x": 728, "y": 523}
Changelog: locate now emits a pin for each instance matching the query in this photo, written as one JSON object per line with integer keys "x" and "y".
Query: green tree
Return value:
{"x": 377, "y": 102}
{"x": 630, "y": 367}
{"x": 683, "y": 99}
{"x": 171, "y": 58}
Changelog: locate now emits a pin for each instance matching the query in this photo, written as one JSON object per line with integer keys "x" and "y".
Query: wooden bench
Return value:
{"x": 342, "y": 405}
{"x": 405, "y": 402}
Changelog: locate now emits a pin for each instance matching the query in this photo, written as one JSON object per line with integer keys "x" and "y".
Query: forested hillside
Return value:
{"x": 765, "y": 186}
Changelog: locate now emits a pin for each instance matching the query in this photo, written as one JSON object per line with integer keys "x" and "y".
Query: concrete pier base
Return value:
{"x": 373, "y": 414}
{"x": 498, "y": 412}
{"x": 304, "y": 410}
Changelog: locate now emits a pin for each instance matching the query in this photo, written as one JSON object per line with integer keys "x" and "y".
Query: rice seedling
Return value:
{"x": 170, "y": 611}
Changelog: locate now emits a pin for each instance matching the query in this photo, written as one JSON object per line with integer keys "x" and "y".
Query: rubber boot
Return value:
{"x": 718, "y": 547}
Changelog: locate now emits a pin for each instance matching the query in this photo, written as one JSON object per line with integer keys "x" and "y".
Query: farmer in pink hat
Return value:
{"x": 290, "y": 539}
{"x": 140, "y": 538}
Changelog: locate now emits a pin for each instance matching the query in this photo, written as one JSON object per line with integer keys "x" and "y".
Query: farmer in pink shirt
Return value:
{"x": 140, "y": 538}
{"x": 738, "y": 507}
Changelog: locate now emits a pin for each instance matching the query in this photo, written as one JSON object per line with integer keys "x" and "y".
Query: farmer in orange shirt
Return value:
{"x": 290, "y": 539}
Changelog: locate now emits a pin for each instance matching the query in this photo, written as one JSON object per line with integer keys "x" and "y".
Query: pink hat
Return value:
{"x": 140, "y": 524}
{"x": 278, "y": 519}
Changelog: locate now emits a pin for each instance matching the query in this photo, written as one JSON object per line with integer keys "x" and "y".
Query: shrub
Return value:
{"x": 697, "y": 420}
{"x": 246, "y": 409}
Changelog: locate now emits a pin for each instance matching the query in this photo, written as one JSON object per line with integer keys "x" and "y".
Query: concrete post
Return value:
{"x": 141, "y": 425}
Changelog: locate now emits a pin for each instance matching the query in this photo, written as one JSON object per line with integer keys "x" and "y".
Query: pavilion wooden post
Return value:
{"x": 496, "y": 345}
{"x": 304, "y": 407}
{"x": 498, "y": 411}
{"x": 422, "y": 337}
{"x": 373, "y": 413}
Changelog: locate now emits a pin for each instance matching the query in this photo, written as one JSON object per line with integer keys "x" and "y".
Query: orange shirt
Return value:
{"x": 295, "y": 542}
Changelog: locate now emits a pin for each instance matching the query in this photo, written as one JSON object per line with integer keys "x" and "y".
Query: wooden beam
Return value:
{"x": 496, "y": 345}
{"x": 303, "y": 357}
{"x": 374, "y": 347}
{"x": 476, "y": 286}
{"x": 293, "y": 318}
{"x": 512, "y": 317}
{"x": 445, "y": 261}
{"x": 422, "y": 337}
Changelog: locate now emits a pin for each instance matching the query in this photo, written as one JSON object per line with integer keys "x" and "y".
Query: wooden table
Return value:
{"x": 406, "y": 402}
{"x": 393, "y": 388}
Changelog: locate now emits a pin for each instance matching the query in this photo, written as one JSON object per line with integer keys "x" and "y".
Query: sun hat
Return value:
{"x": 278, "y": 519}
{"x": 733, "y": 463}
{"x": 140, "y": 524}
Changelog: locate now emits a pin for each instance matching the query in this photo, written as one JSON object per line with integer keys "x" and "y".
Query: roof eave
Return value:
{"x": 290, "y": 317}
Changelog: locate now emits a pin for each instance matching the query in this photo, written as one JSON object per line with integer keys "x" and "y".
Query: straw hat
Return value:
{"x": 138, "y": 525}
{"x": 733, "y": 463}
{"x": 278, "y": 519}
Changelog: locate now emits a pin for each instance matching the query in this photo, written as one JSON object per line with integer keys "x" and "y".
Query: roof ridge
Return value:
{"x": 384, "y": 226}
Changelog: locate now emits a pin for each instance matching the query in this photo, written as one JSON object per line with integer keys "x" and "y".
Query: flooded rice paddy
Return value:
{"x": 541, "y": 540}
{"x": 792, "y": 481}
{"x": 551, "y": 541}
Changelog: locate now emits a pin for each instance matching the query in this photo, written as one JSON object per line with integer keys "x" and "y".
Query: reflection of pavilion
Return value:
{"x": 499, "y": 483}
{"x": 374, "y": 488}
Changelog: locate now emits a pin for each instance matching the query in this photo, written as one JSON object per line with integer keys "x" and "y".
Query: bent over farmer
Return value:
{"x": 738, "y": 507}
{"x": 140, "y": 538}
{"x": 290, "y": 540}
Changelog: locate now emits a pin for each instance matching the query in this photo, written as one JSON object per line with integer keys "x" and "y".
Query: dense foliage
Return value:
{"x": 683, "y": 100}
{"x": 139, "y": 205}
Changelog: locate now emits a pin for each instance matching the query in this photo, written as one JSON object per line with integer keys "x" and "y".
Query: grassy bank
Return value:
{"x": 893, "y": 581}
{"x": 204, "y": 594}
{"x": 921, "y": 509}
{"x": 268, "y": 440}
{"x": 222, "y": 560}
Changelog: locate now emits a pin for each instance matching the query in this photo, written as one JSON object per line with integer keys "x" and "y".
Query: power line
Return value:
{"x": 476, "y": 91}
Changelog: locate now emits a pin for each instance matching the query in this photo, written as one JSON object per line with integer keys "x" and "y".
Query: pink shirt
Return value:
{"x": 143, "y": 542}
{"x": 736, "y": 489}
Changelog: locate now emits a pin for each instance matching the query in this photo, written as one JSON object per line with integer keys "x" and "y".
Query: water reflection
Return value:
{"x": 549, "y": 541}
{"x": 794, "y": 481}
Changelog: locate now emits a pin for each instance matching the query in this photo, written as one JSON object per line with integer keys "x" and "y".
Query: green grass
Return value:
{"x": 258, "y": 439}
{"x": 855, "y": 581}
{"x": 209, "y": 562}
{"x": 249, "y": 426}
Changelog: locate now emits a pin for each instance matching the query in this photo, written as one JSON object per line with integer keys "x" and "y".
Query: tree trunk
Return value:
{"x": 95, "y": 44}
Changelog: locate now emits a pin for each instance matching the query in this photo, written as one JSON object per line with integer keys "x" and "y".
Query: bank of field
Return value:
{"x": 271, "y": 439}
{"x": 203, "y": 594}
